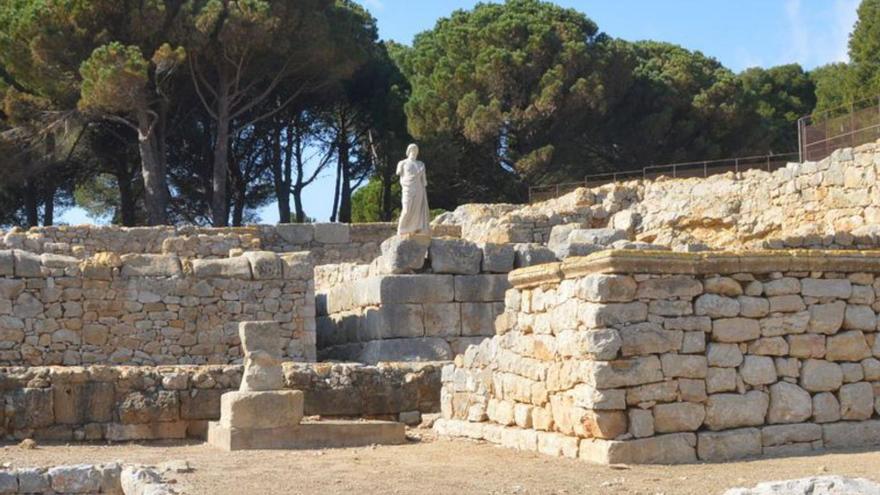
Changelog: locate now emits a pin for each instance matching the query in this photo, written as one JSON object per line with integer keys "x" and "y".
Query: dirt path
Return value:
{"x": 436, "y": 466}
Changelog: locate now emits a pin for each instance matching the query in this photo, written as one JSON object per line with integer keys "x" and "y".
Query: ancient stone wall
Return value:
{"x": 121, "y": 403}
{"x": 149, "y": 309}
{"x": 328, "y": 242}
{"x": 659, "y": 357}
{"x": 831, "y": 203}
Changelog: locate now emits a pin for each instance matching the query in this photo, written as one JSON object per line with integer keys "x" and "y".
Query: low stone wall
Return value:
{"x": 120, "y": 403}
{"x": 328, "y": 242}
{"x": 149, "y": 309}
{"x": 87, "y": 479}
{"x": 658, "y": 357}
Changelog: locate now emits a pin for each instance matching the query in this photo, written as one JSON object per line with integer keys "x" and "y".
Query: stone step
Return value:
{"x": 323, "y": 434}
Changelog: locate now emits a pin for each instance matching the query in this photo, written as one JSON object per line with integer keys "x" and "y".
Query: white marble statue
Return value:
{"x": 415, "y": 214}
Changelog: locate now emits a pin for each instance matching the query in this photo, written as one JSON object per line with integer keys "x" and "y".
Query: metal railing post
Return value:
{"x": 736, "y": 165}
{"x": 705, "y": 170}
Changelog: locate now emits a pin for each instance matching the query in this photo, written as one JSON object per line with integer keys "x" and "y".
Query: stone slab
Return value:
{"x": 261, "y": 410}
{"x": 316, "y": 435}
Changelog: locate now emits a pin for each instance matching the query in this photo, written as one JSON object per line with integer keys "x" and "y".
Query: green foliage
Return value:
{"x": 834, "y": 86}
{"x": 115, "y": 79}
{"x": 864, "y": 51}
{"x": 781, "y": 96}
{"x": 366, "y": 202}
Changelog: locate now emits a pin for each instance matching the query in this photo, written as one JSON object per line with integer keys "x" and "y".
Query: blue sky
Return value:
{"x": 739, "y": 33}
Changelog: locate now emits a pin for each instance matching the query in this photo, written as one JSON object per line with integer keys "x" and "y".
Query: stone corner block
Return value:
{"x": 332, "y": 233}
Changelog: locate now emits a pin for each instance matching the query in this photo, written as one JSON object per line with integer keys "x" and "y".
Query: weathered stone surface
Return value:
{"x": 769, "y": 346}
{"x": 416, "y": 289}
{"x": 786, "y": 304}
{"x": 599, "y": 344}
{"x": 480, "y": 288}
{"x": 394, "y": 321}
{"x": 817, "y": 485}
{"x": 532, "y": 254}
{"x": 626, "y": 372}
{"x": 669, "y": 287}
{"x": 836, "y": 288}
{"x": 724, "y": 286}
{"x": 720, "y": 380}
{"x": 296, "y": 233}
{"x": 856, "y": 401}
{"x": 791, "y": 433}
{"x": 847, "y": 346}
{"x": 789, "y": 404}
{"x": 729, "y": 445}
{"x": 150, "y": 265}
{"x": 676, "y": 448}
{"x": 265, "y": 265}
{"x": 268, "y": 409}
{"x": 826, "y": 408}
{"x": 735, "y": 330}
{"x": 32, "y": 480}
{"x": 415, "y": 349}
{"x": 782, "y": 286}
{"x": 82, "y": 478}
{"x": 237, "y": 267}
{"x": 606, "y": 288}
{"x": 716, "y": 306}
{"x": 604, "y": 424}
{"x": 261, "y": 346}
{"x": 648, "y": 338}
{"x": 497, "y": 258}
{"x": 806, "y": 346}
{"x": 27, "y": 264}
{"x": 678, "y": 416}
{"x": 641, "y": 423}
{"x": 332, "y": 233}
{"x": 725, "y": 411}
{"x": 455, "y": 256}
{"x": 758, "y": 370}
{"x": 442, "y": 319}
{"x": 595, "y": 315}
{"x": 588, "y": 397}
{"x": 859, "y": 317}
{"x": 724, "y": 355}
{"x": 827, "y": 318}
{"x": 753, "y": 307}
{"x": 821, "y": 376}
{"x": 404, "y": 254}
{"x": 684, "y": 366}
{"x": 850, "y": 434}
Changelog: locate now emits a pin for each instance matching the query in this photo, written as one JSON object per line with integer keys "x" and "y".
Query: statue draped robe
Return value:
{"x": 415, "y": 214}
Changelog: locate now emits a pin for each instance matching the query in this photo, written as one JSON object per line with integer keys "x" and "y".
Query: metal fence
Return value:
{"x": 848, "y": 126}
{"x": 703, "y": 169}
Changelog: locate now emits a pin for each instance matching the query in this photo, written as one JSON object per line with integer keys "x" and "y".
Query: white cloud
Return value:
{"x": 374, "y": 4}
{"x": 819, "y": 34}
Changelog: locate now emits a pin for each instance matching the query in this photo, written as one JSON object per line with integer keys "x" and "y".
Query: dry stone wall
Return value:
{"x": 833, "y": 203}
{"x": 149, "y": 309}
{"x": 659, "y": 357}
{"x": 123, "y": 403}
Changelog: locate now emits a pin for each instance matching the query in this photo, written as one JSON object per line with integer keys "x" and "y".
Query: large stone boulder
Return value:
{"x": 404, "y": 253}
{"x": 455, "y": 256}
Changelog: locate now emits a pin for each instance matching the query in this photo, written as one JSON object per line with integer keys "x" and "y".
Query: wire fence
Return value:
{"x": 701, "y": 169}
{"x": 847, "y": 126}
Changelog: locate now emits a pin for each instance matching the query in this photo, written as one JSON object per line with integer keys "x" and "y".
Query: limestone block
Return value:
{"x": 10, "y": 485}
{"x": 720, "y": 380}
{"x": 675, "y": 448}
{"x": 827, "y": 318}
{"x": 724, "y": 355}
{"x": 689, "y": 324}
{"x": 649, "y": 338}
{"x": 237, "y": 267}
{"x": 653, "y": 392}
{"x": 733, "y": 330}
{"x": 821, "y": 376}
{"x": 10, "y": 288}
{"x": 856, "y": 401}
{"x": 789, "y": 404}
{"x": 788, "y": 367}
{"x": 404, "y": 253}
{"x": 782, "y": 286}
{"x": 588, "y": 397}
{"x": 729, "y": 445}
{"x": 478, "y": 319}
{"x": 847, "y": 346}
{"x": 150, "y": 265}
{"x": 82, "y": 478}
{"x": 851, "y": 434}
{"x": 862, "y": 294}
{"x": 297, "y": 266}
{"x": 266, "y": 409}
{"x": 785, "y": 324}
{"x": 139, "y": 407}
{"x": 600, "y": 344}
{"x": 558, "y": 239}
{"x": 684, "y": 366}
{"x": 716, "y": 306}
{"x": 7, "y": 263}
{"x": 786, "y": 304}
{"x": 27, "y": 264}
{"x": 480, "y": 288}
{"x": 599, "y": 237}
{"x": 415, "y": 288}
{"x": 871, "y": 369}
{"x": 806, "y": 346}
{"x": 826, "y": 408}
{"x": 442, "y": 319}
{"x": 31, "y": 408}
{"x": 758, "y": 370}
{"x": 836, "y": 288}
{"x": 669, "y": 287}
{"x": 200, "y": 404}
{"x": 32, "y": 480}
{"x": 670, "y": 308}
{"x": 859, "y": 317}
{"x": 725, "y": 411}
{"x": 678, "y": 416}
{"x": 261, "y": 346}
{"x": 769, "y": 346}
{"x": 497, "y": 258}
{"x": 391, "y": 321}
{"x": 557, "y": 445}
{"x": 412, "y": 349}
{"x": 693, "y": 343}
{"x": 599, "y": 287}
{"x": 604, "y": 424}
{"x": 455, "y": 256}
{"x": 724, "y": 286}
{"x": 332, "y": 233}
{"x": 532, "y": 254}
{"x": 265, "y": 265}
{"x": 595, "y": 315}
{"x": 78, "y": 403}
{"x": 791, "y": 433}
{"x": 296, "y": 233}
{"x": 625, "y": 372}
{"x": 641, "y": 423}
{"x": 754, "y": 307}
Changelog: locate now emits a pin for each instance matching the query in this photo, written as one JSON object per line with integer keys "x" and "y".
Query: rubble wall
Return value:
{"x": 149, "y": 309}
{"x": 121, "y": 403}
{"x": 659, "y": 357}
{"x": 833, "y": 203}
{"x": 328, "y": 242}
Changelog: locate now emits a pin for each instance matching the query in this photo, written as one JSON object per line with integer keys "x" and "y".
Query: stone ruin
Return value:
{"x": 662, "y": 321}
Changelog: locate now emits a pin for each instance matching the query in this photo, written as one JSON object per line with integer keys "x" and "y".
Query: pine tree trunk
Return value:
{"x": 219, "y": 204}
{"x": 345, "y": 169}
{"x": 156, "y": 194}
{"x": 31, "y": 209}
{"x": 126, "y": 196}
{"x": 49, "y": 205}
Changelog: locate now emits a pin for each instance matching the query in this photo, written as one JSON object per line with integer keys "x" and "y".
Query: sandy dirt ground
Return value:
{"x": 434, "y": 466}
